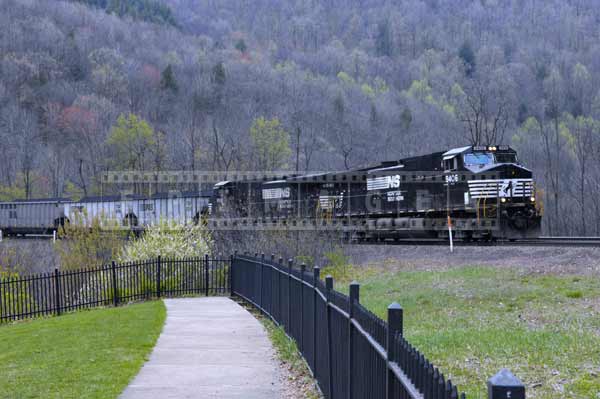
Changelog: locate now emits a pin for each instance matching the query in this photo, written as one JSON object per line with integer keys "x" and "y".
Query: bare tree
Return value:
{"x": 485, "y": 107}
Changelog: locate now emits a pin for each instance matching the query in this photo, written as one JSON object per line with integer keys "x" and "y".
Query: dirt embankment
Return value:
{"x": 539, "y": 260}
{"x": 28, "y": 255}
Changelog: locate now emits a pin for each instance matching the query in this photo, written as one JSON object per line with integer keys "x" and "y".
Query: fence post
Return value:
{"x": 395, "y": 324}
{"x": 158, "y": 271}
{"x": 206, "y": 274}
{"x": 289, "y": 304}
{"x": 231, "y": 260}
{"x": 316, "y": 276}
{"x": 271, "y": 289}
{"x": 262, "y": 276}
{"x": 505, "y": 385}
{"x": 329, "y": 287}
{"x": 114, "y": 283}
{"x": 302, "y": 271}
{"x": 353, "y": 298}
{"x": 278, "y": 274}
{"x": 57, "y": 291}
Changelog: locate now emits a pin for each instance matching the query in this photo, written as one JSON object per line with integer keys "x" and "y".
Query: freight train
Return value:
{"x": 480, "y": 192}
{"x": 43, "y": 216}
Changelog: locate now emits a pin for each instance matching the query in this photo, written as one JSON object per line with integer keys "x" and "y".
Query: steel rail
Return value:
{"x": 534, "y": 242}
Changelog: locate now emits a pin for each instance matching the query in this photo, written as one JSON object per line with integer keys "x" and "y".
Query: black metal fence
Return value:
{"x": 351, "y": 352}
{"x": 61, "y": 291}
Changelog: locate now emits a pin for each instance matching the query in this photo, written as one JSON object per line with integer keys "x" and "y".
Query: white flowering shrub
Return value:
{"x": 169, "y": 240}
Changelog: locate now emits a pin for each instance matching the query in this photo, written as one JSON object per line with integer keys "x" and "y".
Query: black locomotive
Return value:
{"x": 482, "y": 192}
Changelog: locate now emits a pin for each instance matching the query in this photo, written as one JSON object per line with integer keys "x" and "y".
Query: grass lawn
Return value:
{"x": 472, "y": 321}
{"x": 87, "y": 354}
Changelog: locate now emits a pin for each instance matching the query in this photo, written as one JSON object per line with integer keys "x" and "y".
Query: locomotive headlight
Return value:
{"x": 532, "y": 199}
{"x": 503, "y": 200}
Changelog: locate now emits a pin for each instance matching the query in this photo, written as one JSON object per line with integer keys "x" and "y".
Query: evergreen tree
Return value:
{"x": 406, "y": 119}
{"x": 468, "y": 56}
{"x": 383, "y": 41}
{"x": 146, "y": 10}
{"x": 241, "y": 46}
{"x": 374, "y": 117}
{"x": 219, "y": 74}
{"x": 167, "y": 80}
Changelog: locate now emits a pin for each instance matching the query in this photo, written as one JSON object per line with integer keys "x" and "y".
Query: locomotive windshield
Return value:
{"x": 478, "y": 160}
{"x": 506, "y": 157}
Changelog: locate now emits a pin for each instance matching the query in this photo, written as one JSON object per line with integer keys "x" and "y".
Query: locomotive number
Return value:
{"x": 395, "y": 196}
{"x": 452, "y": 179}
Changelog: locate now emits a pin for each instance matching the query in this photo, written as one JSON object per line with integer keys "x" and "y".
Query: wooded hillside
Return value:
{"x": 339, "y": 84}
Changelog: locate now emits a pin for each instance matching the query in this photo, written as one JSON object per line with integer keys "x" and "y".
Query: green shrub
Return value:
{"x": 338, "y": 266}
{"x": 88, "y": 243}
{"x": 168, "y": 240}
{"x": 18, "y": 300}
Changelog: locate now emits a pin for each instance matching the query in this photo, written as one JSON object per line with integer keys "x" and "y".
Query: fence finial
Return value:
{"x": 505, "y": 385}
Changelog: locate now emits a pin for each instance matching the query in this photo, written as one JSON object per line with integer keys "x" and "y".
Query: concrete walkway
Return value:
{"x": 209, "y": 348}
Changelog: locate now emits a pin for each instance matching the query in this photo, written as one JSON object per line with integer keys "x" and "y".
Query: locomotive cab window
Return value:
{"x": 478, "y": 160}
{"x": 506, "y": 158}
{"x": 451, "y": 164}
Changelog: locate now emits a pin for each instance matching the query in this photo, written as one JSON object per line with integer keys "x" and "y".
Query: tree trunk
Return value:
{"x": 82, "y": 178}
{"x": 298, "y": 131}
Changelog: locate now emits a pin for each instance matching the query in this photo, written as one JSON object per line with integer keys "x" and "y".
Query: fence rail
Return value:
{"x": 352, "y": 353}
{"x": 62, "y": 291}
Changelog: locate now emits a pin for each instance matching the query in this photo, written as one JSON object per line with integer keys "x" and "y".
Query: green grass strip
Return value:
{"x": 88, "y": 354}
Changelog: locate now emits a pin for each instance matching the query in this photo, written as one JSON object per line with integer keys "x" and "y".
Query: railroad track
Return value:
{"x": 534, "y": 242}
{"x": 559, "y": 242}
{"x": 543, "y": 241}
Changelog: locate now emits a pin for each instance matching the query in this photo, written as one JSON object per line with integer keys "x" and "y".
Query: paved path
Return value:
{"x": 209, "y": 348}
